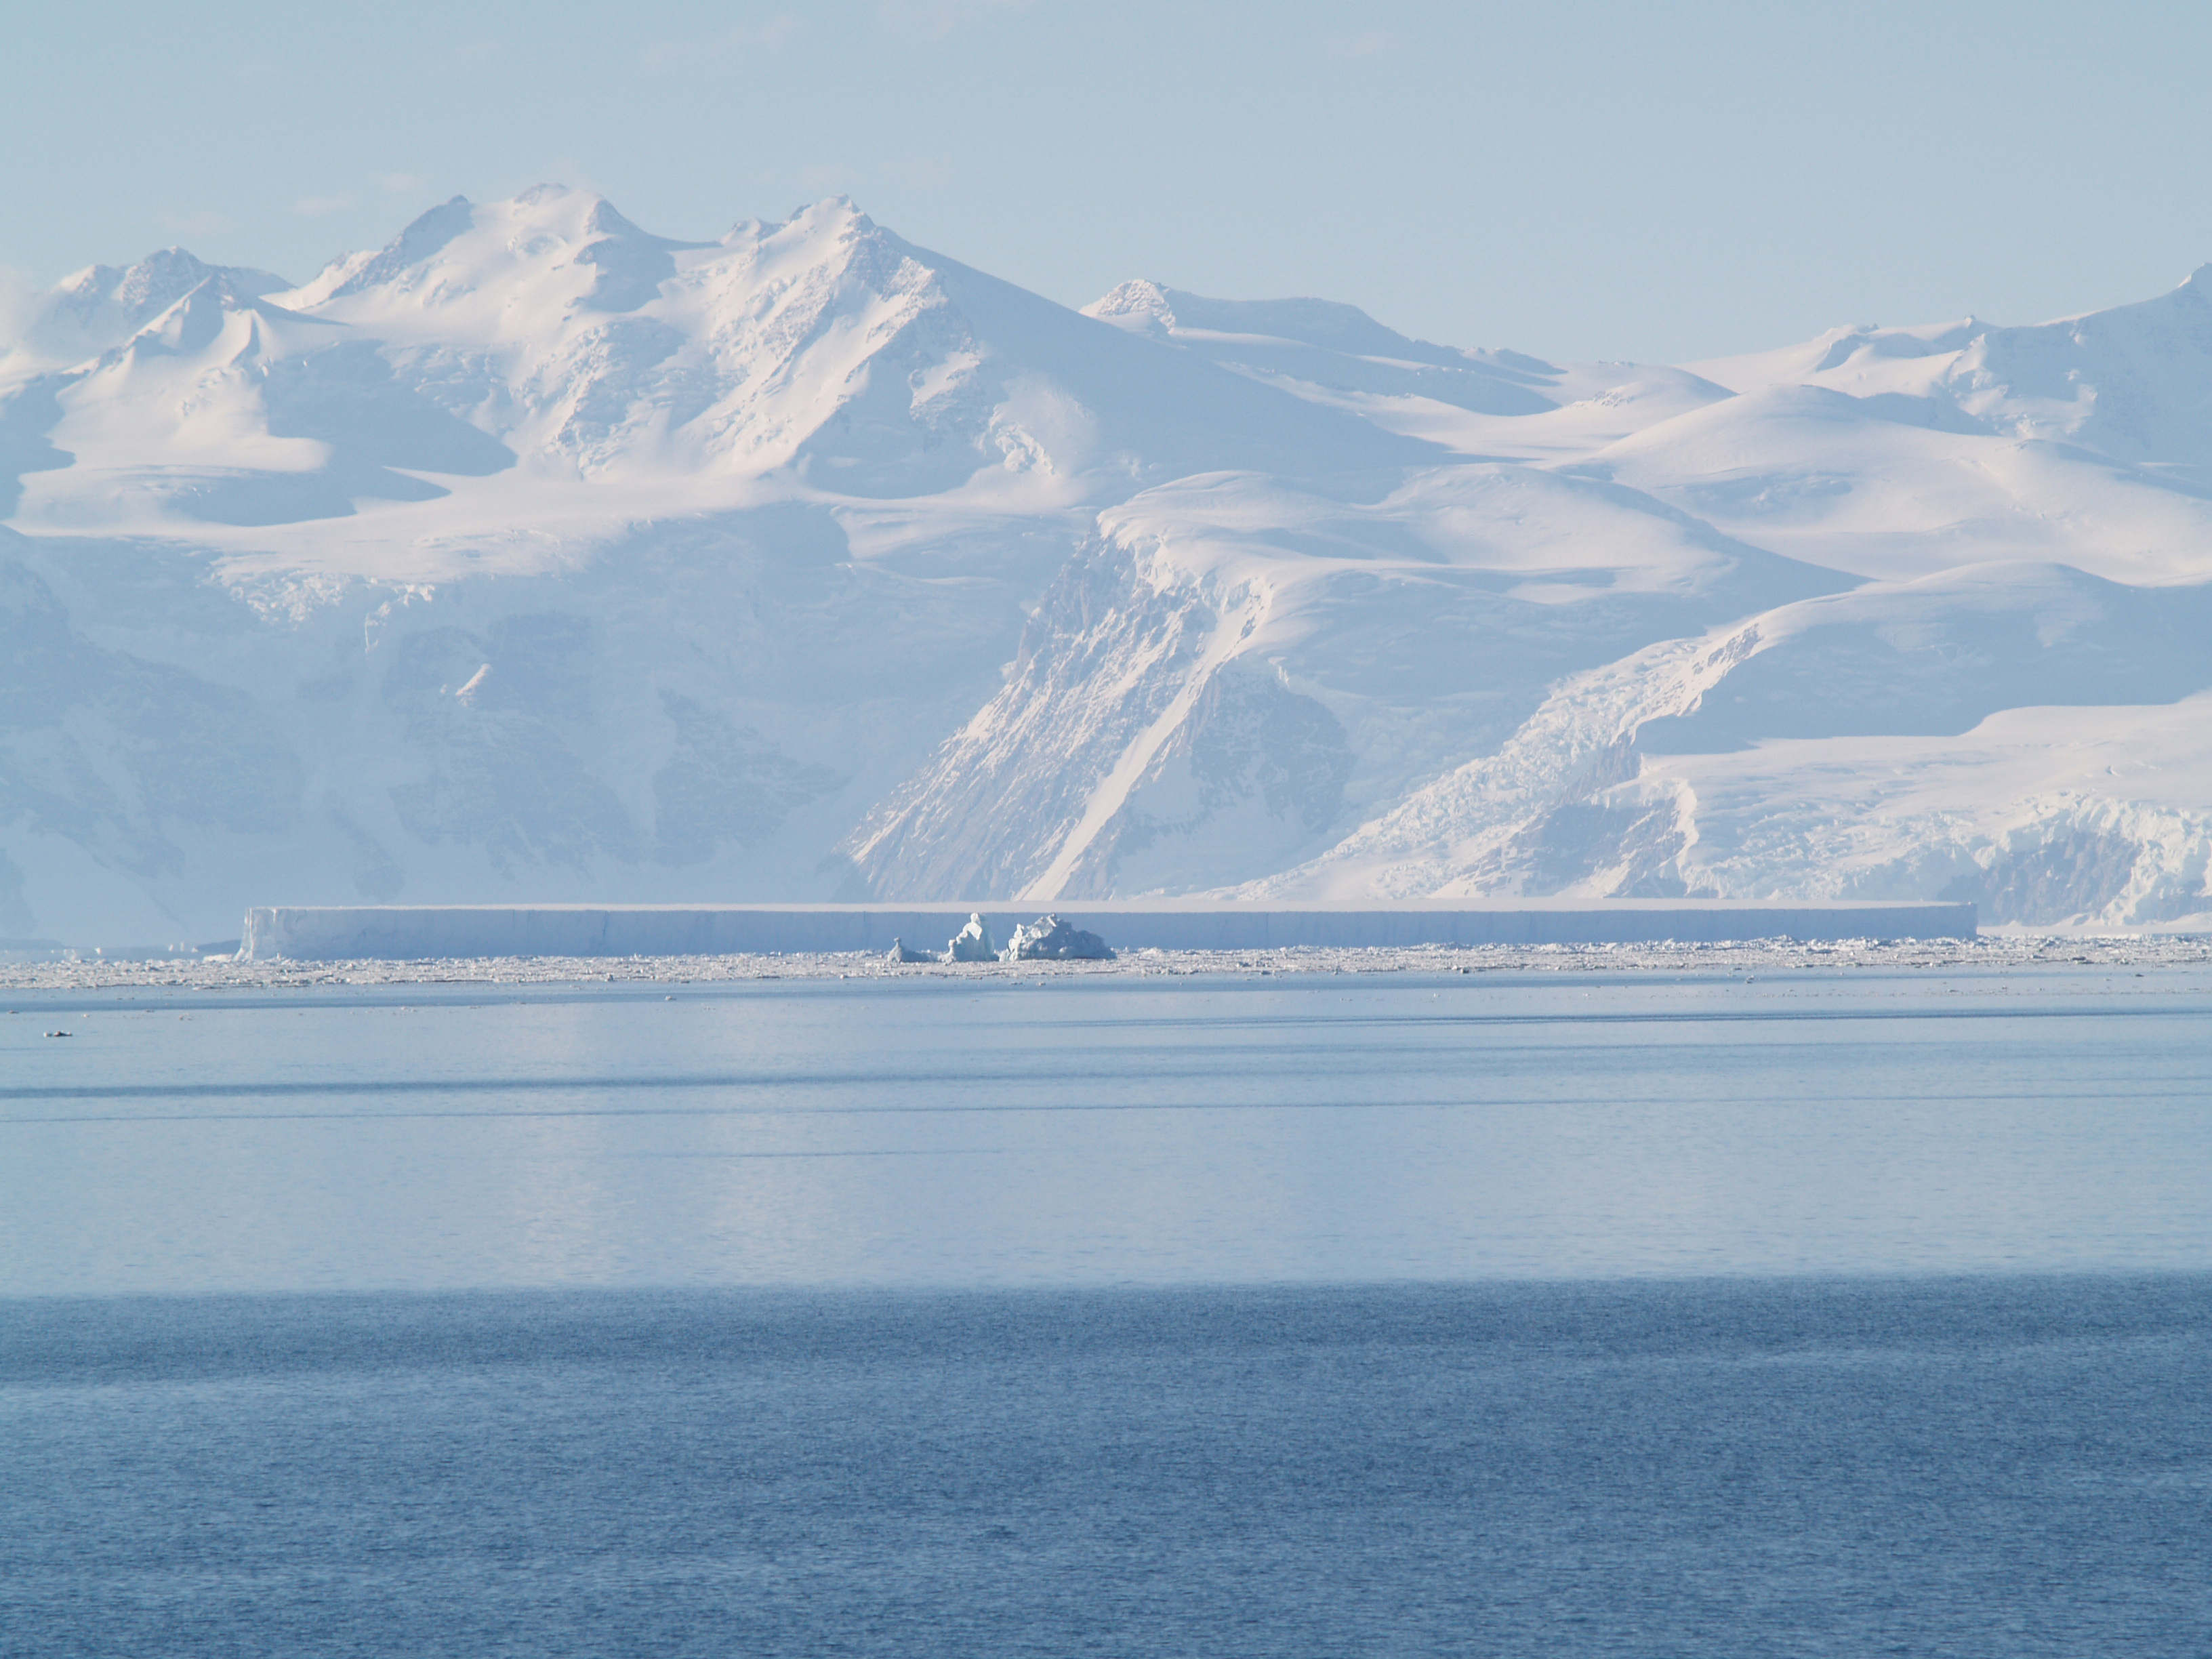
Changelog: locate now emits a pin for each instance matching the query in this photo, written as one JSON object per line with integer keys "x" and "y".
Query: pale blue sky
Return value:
{"x": 1660, "y": 182}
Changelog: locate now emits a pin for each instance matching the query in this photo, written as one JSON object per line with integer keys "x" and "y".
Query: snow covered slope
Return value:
{"x": 534, "y": 556}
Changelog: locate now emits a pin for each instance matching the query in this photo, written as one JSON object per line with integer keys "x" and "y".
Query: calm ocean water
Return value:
{"x": 1837, "y": 1314}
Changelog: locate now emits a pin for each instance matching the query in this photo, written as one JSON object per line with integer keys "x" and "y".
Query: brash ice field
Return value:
{"x": 537, "y": 557}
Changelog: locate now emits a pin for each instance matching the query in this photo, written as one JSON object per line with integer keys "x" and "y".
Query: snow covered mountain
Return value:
{"x": 535, "y": 556}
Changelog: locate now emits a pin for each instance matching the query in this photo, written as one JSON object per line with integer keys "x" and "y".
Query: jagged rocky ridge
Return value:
{"x": 535, "y": 556}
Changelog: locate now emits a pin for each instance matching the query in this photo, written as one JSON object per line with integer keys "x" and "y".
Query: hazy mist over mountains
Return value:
{"x": 534, "y": 556}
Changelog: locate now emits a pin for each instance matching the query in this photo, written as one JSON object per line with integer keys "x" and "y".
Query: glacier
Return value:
{"x": 534, "y": 558}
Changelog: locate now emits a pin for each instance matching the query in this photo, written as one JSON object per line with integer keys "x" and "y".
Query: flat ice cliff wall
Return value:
{"x": 414, "y": 932}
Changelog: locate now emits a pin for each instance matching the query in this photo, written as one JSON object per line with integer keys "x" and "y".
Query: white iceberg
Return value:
{"x": 971, "y": 943}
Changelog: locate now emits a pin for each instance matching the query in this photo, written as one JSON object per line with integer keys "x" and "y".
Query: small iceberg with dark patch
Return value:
{"x": 1050, "y": 939}
{"x": 901, "y": 952}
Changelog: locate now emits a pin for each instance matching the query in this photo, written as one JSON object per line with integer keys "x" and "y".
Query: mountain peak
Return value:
{"x": 548, "y": 230}
{"x": 424, "y": 237}
{"x": 99, "y": 308}
{"x": 1140, "y": 306}
{"x": 832, "y": 213}
{"x": 1145, "y": 306}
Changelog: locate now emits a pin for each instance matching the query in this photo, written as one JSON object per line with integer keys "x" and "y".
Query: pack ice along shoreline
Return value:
{"x": 71, "y": 973}
{"x": 426, "y": 932}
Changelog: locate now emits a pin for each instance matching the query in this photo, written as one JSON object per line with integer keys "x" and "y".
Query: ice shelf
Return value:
{"x": 408, "y": 932}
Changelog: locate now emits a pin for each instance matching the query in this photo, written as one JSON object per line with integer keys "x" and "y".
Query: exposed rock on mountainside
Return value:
{"x": 537, "y": 556}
